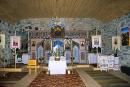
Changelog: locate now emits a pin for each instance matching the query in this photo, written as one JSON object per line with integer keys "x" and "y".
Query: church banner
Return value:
{"x": 96, "y": 41}
{"x": 2, "y": 40}
{"x": 15, "y": 42}
{"x": 116, "y": 40}
{"x": 125, "y": 36}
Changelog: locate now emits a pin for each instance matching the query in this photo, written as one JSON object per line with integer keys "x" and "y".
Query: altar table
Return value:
{"x": 57, "y": 67}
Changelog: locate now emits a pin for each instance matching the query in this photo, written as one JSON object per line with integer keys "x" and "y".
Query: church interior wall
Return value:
{"x": 5, "y": 52}
{"x": 107, "y": 31}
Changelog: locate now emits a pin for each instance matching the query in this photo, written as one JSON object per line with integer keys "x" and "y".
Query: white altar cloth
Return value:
{"x": 57, "y": 67}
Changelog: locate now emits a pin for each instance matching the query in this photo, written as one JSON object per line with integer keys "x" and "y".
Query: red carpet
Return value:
{"x": 67, "y": 80}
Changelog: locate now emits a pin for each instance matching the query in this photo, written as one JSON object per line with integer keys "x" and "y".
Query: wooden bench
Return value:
{"x": 32, "y": 64}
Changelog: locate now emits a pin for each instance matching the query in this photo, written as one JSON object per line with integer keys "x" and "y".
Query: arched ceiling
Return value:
{"x": 104, "y": 10}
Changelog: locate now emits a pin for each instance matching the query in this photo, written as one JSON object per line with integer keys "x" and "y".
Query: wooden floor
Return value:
{"x": 106, "y": 79}
{"x": 89, "y": 77}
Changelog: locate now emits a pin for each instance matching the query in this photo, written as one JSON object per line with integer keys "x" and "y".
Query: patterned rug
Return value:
{"x": 106, "y": 79}
{"x": 67, "y": 80}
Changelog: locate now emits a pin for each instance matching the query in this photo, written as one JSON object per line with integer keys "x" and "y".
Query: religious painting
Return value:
{"x": 57, "y": 32}
{"x": 125, "y": 36}
{"x": 76, "y": 53}
{"x": 96, "y": 41}
{"x": 67, "y": 44}
{"x": 116, "y": 40}
{"x": 82, "y": 43}
{"x": 15, "y": 42}
{"x": 39, "y": 52}
{"x": 47, "y": 44}
{"x": 68, "y": 55}
{"x": 82, "y": 55}
{"x": 58, "y": 46}
{"x": 2, "y": 40}
{"x": 74, "y": 43}
{"x": 33, "y": 43}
